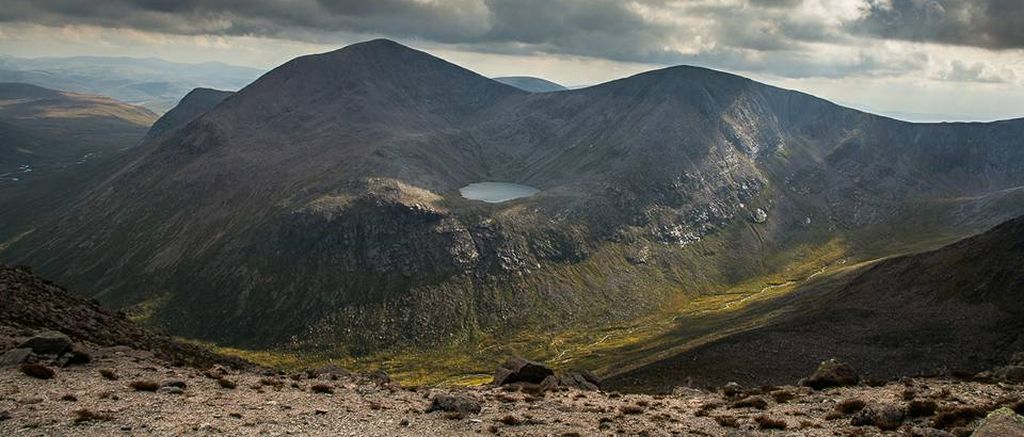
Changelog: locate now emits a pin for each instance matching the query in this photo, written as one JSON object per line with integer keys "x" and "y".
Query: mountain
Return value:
{"x": 324, "y": 197}
{"x": 958, "y": 308}
{"x": 197, "y": 102}
{"x": 46, "y": 129}
{"x": 531, "y": 84}
{"x": 154, "y": 83}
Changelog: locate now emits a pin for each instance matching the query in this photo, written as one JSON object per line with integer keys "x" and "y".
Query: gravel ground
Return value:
{"x": 281, "y": 405}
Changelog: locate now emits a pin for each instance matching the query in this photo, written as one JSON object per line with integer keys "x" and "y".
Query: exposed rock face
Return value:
{"x": 324, "y": 196}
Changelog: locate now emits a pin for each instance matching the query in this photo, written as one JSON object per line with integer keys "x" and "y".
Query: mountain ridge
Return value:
{"x": 324, "y": 195}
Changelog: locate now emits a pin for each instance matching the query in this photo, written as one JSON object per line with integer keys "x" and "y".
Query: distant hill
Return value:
{"x": 531, "y": 84}
{"x": 958, "y": 308}
{"x": 197, "y": 102}
{"x": 324, "y": 197}
{"x": 45, "y": 129}
{"x": 154, "y": 83}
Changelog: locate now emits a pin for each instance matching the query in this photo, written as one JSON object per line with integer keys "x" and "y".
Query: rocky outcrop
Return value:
{"x": 48, "y": 343}
{"x": 60, "y": 327}
{"x": 517, "y": 369}
{"x": 832, "y": 373}
{"x": 1001, "y": 423}
{"x": 538, "y": 377}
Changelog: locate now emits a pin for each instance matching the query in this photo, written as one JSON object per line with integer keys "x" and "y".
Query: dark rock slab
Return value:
{"x": 15, "y": 357}
{"x": 518, "y": 369}
{"x": 48, "y": 343}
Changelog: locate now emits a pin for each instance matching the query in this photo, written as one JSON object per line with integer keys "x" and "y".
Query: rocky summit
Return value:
{"x": 324, "y": 197}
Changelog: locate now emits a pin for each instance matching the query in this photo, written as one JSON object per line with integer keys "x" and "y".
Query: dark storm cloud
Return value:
{"x": 442, "y": 21}
{"x": 994, "y": 24}
{"x": 748, "y": 35}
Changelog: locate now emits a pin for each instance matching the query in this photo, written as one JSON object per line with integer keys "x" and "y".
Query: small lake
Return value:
{"x": 496, "y": 192}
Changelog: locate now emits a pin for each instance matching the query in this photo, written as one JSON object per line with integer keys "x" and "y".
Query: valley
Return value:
{"x": 353, "y": 198}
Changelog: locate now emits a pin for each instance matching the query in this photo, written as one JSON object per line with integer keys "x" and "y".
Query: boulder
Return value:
{"x": 77, "y": 355}
{"x": 580, "y": 380}
{"x": 1001, "y": 423}
{"x": 886, "y": 417}
{"x": 1014, "y": 374}
{"x": 832, "y": 373}
{"x": 455, "y": 402}
{"x": 732, "y": 389}
{"x": 37, "y": 371}
{"x": 521, "y": 370}
{"x": 15, "y": 357}
{"x": 759, "y": 216}
{"x": 48, "y": 343}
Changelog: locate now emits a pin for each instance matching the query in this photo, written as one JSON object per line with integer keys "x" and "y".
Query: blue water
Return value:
{"x": 496, "y": 192}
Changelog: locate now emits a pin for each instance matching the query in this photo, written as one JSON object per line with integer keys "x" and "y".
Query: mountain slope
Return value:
{"x": 32, "y": 304}
{"x": 956, "y": 308}
{"x": 531, "y": 84}
{"x": 324, "y": 196}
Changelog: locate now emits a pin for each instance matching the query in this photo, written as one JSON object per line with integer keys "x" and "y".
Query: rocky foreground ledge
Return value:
{"x": 88, "y": 389}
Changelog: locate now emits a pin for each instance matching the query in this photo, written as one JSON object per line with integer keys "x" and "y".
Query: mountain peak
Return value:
{"x": 380, "y": 48}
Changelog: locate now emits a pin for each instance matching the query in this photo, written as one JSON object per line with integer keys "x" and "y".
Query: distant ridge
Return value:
{"x": 194, "y": 104}
{"x": 154, "y": 83}
{"x": 531, "y": 84}
{"x": 47, "y": 129}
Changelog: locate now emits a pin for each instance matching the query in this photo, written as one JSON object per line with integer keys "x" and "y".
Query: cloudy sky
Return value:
{"x": 915, "y": 59}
